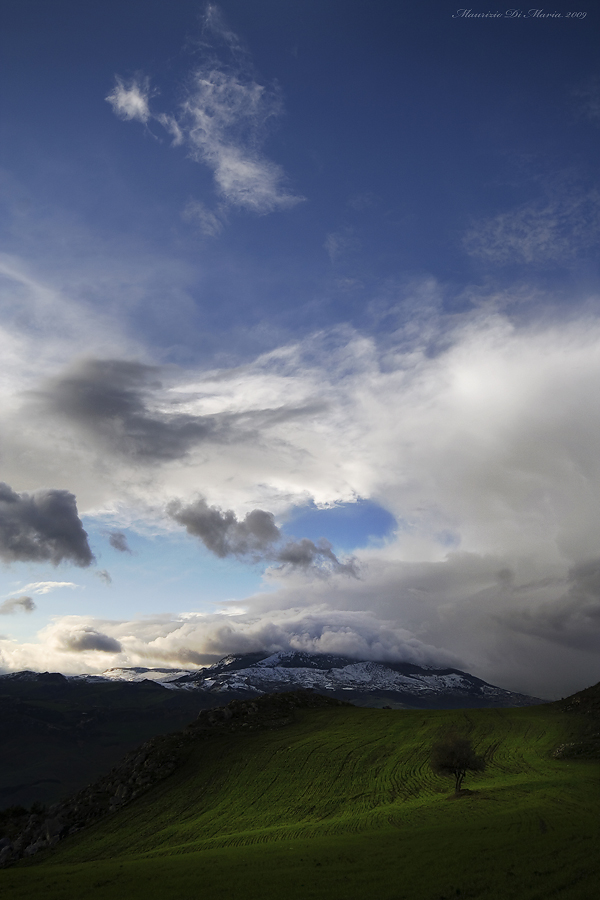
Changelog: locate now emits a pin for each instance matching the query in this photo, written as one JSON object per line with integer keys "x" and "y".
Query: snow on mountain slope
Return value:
{"x": 365, "y": 682}
{"x": 138, "y": 673}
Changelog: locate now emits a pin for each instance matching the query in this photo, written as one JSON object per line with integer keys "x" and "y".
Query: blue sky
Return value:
{"x": 299, "y": 323}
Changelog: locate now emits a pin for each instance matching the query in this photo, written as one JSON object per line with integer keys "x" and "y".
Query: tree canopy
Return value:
{"x": 454, "y": 755}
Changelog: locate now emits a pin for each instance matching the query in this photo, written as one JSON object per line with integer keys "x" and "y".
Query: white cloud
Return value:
{"x": 171, "y": 125}
{"x": 129, "y": 100}
{"x": 223, "y": 124}
{"x": 224, "y": 117}
{"x": 493, "y": 438}
{"x": 44, "y": 587}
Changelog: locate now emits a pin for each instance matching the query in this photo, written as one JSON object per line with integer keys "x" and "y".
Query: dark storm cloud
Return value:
{"x": 43, "y": 526}
{"x": 17, "y": 604}
{"x": 256, "y": 536}
{"x": 114, "y": 402}
{"x": 304, "y": 554}
{"x": 118, "y": 541}
{"x": 574, "y": 619}
{"x": 108, "y": 399}
{"x": 87, "y": 638}
{"x": 222, "y": 533}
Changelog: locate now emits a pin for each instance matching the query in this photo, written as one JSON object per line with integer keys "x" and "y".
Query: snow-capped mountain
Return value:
{"x": 139, "y": 673}
{"x": 365, "y": 683}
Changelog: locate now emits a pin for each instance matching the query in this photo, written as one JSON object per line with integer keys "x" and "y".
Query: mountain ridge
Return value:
{"x": 362, "y": 682}
{"x": 401, "y": 685}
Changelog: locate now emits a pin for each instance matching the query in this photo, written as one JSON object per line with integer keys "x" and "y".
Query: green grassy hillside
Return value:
{"x": 342, "y": 804}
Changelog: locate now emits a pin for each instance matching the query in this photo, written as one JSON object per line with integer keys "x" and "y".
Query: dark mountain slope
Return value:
{"x": 58, "y": 734}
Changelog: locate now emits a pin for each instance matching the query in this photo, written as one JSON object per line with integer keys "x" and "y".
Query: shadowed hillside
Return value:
{"x": 58, "y": 734}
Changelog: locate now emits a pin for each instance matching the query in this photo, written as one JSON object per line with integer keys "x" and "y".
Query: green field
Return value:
{"x": 342, "y": 805}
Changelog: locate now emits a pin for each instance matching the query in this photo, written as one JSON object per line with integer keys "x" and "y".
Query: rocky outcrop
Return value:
{"x": 267, "y": 711}
{"x": 23, "y": 833}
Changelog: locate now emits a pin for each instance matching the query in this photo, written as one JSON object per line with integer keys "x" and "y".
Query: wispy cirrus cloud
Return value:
{"x": 555, "y": 228}
{"x": 223, "y": 123}
{"x": 339, "y": 244}
{"x": 210, "y": 223}
{"x": 44, "y": 587}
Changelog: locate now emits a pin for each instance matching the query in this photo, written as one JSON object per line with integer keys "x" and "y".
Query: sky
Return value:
{"x": 300, "y": 335}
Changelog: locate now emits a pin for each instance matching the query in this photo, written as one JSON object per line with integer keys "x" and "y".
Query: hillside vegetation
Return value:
{"x": 341, "y": 803}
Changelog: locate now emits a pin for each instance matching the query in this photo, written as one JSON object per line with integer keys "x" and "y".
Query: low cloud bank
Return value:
{"x": 72, "y": 643}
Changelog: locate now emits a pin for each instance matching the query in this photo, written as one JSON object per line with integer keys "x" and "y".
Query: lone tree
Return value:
{"x": 454, "y": 755}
